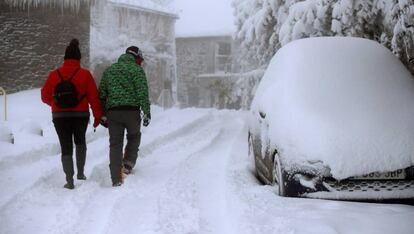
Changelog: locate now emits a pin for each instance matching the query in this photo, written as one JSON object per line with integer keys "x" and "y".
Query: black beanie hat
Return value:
{"x": 135, "y": 51}
{"x": 72, "y": 50}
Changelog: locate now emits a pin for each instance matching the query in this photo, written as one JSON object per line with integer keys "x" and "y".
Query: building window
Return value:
{"x": 223, "y": 57}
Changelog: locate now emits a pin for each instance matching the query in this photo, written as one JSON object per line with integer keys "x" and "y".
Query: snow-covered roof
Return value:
{"x": 156, "y": 6}
{"x": 160, "y": 7}
{"x": 199, "y": 18}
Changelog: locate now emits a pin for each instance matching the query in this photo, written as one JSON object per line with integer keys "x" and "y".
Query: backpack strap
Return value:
{"x": 60, "y": 75}
{"x": 82, "y": 97}
{"x": 74, "y": 74}
{"x": 71, "y": 77}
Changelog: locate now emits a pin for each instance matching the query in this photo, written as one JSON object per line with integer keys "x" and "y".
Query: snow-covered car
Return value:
{"x": 333, "y": 118}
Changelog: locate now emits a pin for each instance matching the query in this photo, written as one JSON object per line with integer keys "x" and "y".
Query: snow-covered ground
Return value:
{"x": 193, "y": 176}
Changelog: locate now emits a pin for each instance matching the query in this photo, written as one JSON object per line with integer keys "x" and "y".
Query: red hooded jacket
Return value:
{"x": 84, "y": 84}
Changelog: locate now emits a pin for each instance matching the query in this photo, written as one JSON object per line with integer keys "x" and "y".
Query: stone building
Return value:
{"x": 33, "y": 40}
{"x": 206, "y": 55}
{"x": 117, "y": 24}
{"x": 34, "y": 35}
{"x": 200, "y": 57}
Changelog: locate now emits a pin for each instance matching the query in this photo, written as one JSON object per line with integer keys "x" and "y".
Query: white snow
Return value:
{"x": 345, "y": 101}
{"x": 193, "y": 176}
{"x": 154, "y": 5}
{"x": 204, "y": 18}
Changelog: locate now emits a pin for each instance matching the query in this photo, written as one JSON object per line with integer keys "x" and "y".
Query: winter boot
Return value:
{"x": 69, "y": 185}
{"x": 127, "y": 170}
{"x": 80, "y": 161}
{"x": 67, "y": 164}
{"x": 81, "y": 177}
{"x": 116, "y": 184}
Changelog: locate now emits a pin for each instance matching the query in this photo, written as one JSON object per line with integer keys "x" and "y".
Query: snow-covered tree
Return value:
{"x": 306, "y": 19}
{"x": 398, "y": 29}
{"x": 355, "y": 18}
{"x": 263, "y": 26}
{"x": 402, "y": 42}
{"x": 256, "y": 22}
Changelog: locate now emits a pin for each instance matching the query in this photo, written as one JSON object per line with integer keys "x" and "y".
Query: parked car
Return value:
{"x": 333, "y": 118}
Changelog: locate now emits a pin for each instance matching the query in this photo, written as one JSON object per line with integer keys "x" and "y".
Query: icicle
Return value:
{"x": 66, "y": 4}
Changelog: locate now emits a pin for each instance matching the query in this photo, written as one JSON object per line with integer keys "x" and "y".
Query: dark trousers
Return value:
{"x": 71, "y": 129}
{"x": 118, "y": 122}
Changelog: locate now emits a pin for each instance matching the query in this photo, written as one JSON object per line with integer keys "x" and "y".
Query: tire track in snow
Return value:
{"x": 187, "y": 129}
{"x": 141, "y": 188}
{"x": 196, "y": 194}
{"x": 250, "y": 201}
{"x": 31, "y": 169}
{"x": 50, "y": 181}
{"x": 50, "y": 184}
{"x": 28, "y": 165}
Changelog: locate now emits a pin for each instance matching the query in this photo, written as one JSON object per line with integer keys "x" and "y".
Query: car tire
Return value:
{"x": 278, "y": 175}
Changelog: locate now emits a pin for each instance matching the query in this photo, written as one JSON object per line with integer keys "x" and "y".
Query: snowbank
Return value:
{"x": 346, "y": 101}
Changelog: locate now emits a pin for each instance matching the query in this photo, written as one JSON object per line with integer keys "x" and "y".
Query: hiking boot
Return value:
{"x": 81, "y": 177}
{"x": 69, "y": 185}
{"x": 116, "y": 184}
{"x": 127, "y": 170}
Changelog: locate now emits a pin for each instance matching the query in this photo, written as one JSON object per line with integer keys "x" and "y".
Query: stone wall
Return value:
{"x": 33, "y": 42}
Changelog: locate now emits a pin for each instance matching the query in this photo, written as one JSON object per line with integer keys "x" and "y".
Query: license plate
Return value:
{"x": 391, "y": 175}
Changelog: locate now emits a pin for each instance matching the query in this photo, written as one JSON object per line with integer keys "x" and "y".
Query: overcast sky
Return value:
{"x": 204, "y": 17}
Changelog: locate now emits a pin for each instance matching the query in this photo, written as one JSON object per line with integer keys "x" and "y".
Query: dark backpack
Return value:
{"x": 66, "y": 95}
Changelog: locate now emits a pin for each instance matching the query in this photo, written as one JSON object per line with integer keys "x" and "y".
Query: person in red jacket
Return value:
{"x": 71, "y": 122}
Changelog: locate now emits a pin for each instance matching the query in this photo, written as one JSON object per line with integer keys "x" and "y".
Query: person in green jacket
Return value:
{"x": 123, "y": 92}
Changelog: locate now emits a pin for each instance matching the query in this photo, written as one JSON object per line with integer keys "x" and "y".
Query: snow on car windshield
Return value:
{"x": 346, "y": 101}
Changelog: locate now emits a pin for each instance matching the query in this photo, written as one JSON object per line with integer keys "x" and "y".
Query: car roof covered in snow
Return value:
{"x": 346, "y": 101}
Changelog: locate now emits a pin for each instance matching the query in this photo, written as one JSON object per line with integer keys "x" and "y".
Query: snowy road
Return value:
{"x": 193, "y": 176}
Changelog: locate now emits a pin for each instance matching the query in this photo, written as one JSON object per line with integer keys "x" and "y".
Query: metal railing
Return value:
{"x": 3, "y": 92}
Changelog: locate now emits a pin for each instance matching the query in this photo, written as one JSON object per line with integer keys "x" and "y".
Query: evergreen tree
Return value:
{"x": 256, "y": 22}
{"x": 263, "y": 26}
{"x": 306, "y": 19}
{"x": 402, "y": 42}
{"x": 355, "y": 18}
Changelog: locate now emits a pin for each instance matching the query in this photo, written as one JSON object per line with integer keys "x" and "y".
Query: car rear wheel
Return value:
{"x": 278, "y": 174}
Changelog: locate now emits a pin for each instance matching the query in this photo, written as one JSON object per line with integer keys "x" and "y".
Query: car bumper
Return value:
{"x": 365, "y": 190}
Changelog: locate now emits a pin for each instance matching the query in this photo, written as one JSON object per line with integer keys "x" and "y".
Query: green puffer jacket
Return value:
{"x": 124, "y": 84}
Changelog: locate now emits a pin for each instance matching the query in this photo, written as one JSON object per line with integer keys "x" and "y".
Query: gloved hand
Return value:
{"x": 96, "y": 122}
{"x": 146, "y": 119}
{"x": 104, "y": 121}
